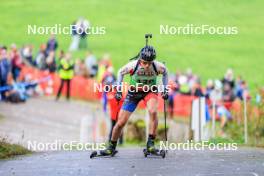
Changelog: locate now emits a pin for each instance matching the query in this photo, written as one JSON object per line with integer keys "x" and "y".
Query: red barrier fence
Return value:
{"x": 80, "y": 87}
{"x": 83, "y": 88}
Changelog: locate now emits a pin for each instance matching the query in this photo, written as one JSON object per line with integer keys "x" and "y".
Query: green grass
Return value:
{"x": 127, "y": 21}
{"x": 10, "y": 150}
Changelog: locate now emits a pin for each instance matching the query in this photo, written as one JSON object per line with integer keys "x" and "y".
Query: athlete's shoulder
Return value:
{"x": 133, "y": 62}
{"x": 161, "y": 68}
{"x": 129, "y": 67}
{"x": 158, "y": 63}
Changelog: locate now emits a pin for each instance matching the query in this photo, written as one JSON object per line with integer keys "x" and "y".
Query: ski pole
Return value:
{"x": 165, "y": 120}
{"x": 117, "y": 113}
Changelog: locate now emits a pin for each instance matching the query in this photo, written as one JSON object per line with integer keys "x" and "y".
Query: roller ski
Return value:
{"x": 96, "y": 154}
{"x": 157, "y": 152}
{"x": 110, "y": 151}
{"x": 151, "y": 150}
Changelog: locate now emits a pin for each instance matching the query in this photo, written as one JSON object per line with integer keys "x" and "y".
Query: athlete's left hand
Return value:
{"x": 118, "y": 96}
{"x": 165, "y": 95}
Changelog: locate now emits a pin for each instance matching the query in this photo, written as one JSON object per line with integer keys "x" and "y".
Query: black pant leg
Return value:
{"x": 68, "y": 89}
{"x": 3, "y": 84}
{"x": 113, "y": 122}
{"x": 60, "y": 89}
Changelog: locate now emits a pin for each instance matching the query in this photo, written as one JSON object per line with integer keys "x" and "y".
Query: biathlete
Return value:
{"x": 143, "y": 73}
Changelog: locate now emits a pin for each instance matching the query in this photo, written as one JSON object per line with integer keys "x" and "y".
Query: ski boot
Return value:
{"x": 151, "y": 146}
{"x": 151, "y": 150}
{"x": 109, "y": 151}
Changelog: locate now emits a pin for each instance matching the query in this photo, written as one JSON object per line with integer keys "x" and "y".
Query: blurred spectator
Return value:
{"x": 173, "y": 81}
{"x": 16, "y": 62}
{"x": 108, "y": 98}
{"x": 52, "y": 44}
{"x": 217, "y": 93}
{"x": 17, "y": 94}
{"x": 75, "y": 37}
{"x": 50, "y": 62}
{"x": 184, "y": 87}
{"x": 21, "y": 91}
{"x": 228, "y": 94}
{"x": 106, "y": 60}
{"x": 241, "y": 89}
{"x": 177, "y": 76}
{"x": 197, "y": 89}
{"x": 91, "y": 65}
{"x": 26, "y": 53}
{"x": 224, "y": 116}
{"x": 189, "y": 73}
{"x": 5, "y": 70}
{"x": 66, "y": 73}
{"x": 41, "y": 57}
{"x": 61, "y": 56}
{"x": 209, "y": 88}
{"x": 79, "y": 68}
{"x": 104, "y": 63}
{"x": 114, "y": 107}
{"x": 172, "y": 93}
{"x": 229, "y": 79}
{"x": 108, "y": 79}
{"x": 82, "y": 27}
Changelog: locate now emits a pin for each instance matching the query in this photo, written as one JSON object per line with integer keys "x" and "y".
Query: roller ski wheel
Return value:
{"x": 145, "y": 153}
{"x": 93, "y": 154}
{"x": 96, "y": 154}
{"x": 157, "y": 152}
{"x": 163, "y": 153}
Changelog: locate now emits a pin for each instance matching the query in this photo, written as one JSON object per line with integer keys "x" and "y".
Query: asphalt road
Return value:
{"x": 44, "y": 120}
{"x": 243, "y": 162}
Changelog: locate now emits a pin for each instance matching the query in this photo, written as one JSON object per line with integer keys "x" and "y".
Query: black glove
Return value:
{"x": 118, "y": 96}
{"x": 165, "y": 95}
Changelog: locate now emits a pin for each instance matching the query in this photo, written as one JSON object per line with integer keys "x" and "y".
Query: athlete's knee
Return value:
{"x": 120, "y": 124}
{"x": 122, "y": 119}
{"x": 153, "y": 113}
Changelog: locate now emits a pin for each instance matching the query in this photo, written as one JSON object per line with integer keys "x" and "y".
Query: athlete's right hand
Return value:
{"x": 165, "y": 95}
{"x": 118, "y": 96}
